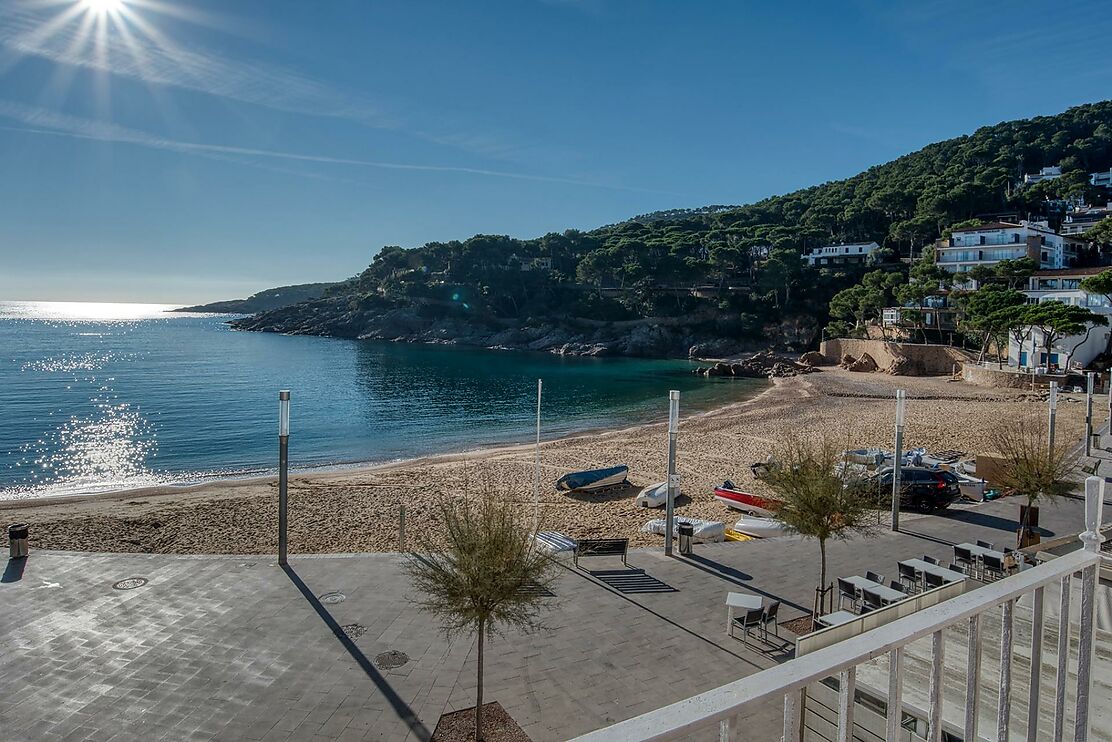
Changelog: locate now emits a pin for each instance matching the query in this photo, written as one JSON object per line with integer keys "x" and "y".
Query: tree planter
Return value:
{"x": 1029, "y": 515}
{"x": 1028, "y": 534}
{"x": 498, "y": 726}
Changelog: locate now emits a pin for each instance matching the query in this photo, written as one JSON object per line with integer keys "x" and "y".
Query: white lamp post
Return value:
{"x": 1053, "y": 414}
{"x": 673, "y": 478}
{"x": 1089, "y": 378}
{"x": 283, "y": 469}
{"x": 898, "y": 460}
{"x": 537, "y": 466}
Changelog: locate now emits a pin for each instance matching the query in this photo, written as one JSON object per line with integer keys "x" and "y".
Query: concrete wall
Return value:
{"x": 922, "y": 360}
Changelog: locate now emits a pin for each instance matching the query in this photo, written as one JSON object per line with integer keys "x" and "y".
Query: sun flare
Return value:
{"x": 103, "y": 6}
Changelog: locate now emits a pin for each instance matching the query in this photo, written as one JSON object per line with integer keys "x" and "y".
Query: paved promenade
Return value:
{"x": 233, "y": 648}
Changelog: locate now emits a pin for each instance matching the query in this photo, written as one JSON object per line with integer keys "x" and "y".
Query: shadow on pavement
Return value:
{"x": 403, "y": 710}
{"x": 737, "y": 577}
{"x": 631, "y": 581}
{"x": 14, "y": 571}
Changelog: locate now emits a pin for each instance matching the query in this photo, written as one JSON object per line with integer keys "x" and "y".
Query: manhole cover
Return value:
{"x": 390, "y": 660}
{"x": 333, "y": 598}
{"x": 354, "y": 630}
{"x": 130, "y": 583}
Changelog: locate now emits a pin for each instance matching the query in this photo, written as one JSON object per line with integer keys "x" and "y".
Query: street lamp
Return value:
{"x": 673, "y": 478}
{"x": 901, "y": 404}
{"x": 1053, "y": 414}
{"x": 283, "y": 469}
{"x": 1089, "y": 379}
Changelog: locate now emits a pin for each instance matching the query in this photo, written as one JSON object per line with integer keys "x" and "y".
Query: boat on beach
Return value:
{"x": 653, "y": 496}
{"x": 761, "y": 527}
{"x": 728, "y": 494}
{"x": 592, "y": 479}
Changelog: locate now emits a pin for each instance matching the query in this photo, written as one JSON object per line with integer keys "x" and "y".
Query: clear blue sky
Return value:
{"x": 189, "y": 150}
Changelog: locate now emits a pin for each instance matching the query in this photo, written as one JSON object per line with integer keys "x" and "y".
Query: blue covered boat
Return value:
{"x": 593, "y": 479}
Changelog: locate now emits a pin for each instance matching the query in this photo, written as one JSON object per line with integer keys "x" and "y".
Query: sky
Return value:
{"x": 181, "y": 151}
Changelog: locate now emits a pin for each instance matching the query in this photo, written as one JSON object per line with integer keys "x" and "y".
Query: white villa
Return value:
{"x": 1101, "y": 180}
{"x": 1081, "y": 220}
{"x": 991, "y": 243}
{"x": 1047, "y": 173}
{"x": 857, "y": 252}
{"x": 1063, "y": 286}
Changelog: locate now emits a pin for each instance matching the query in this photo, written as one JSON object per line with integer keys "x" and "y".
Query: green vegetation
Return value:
{"x": 276, "y": 298}
{"x": 484, "y": 575}
{"x": 738, "y": 269}
{"x": 1030, "y": 465}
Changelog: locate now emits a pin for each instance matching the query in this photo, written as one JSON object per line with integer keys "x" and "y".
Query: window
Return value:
{"x": 982, "y": 239}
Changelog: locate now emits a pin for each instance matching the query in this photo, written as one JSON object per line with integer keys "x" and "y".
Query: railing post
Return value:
{"x": 937, "y": 681}
{"x": 895, "y": 692}
{"x": 1004, "y": 702}
{"x": 1036, "y": 664}
{"x": 847, "y": 689}
{"x": 1063, "y": 658}
{"x": 972, "y": 678}
{"x": 1094, "y": 502}
{"x": 793, "y": 709}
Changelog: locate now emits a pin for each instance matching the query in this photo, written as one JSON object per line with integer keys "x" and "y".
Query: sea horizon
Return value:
{"x": 115, "y": 396}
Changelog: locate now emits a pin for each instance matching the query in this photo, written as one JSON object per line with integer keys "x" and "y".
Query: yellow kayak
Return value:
{"x": 732, "y": 535}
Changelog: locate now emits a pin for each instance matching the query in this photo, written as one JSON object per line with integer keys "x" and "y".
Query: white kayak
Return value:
{"x": 761, "y": 527}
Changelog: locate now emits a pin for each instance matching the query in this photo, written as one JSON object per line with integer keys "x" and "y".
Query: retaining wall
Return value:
{"x": 913, "y": 359}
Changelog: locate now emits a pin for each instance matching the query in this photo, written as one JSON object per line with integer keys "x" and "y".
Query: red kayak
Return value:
{"x": 732, "y": 497}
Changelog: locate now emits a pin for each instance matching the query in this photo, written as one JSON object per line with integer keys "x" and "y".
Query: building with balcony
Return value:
{"x": 857, "y": 252}
{"x": 1101, "y": 180}
{"x": 1047, "y": 173}
{"x": 989, "y": 244}
{"x": 1077, "y": 350}
{"x": 1081, "y": 220}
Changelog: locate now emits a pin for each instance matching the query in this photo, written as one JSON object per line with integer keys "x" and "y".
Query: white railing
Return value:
{"x": 785, "y": 684}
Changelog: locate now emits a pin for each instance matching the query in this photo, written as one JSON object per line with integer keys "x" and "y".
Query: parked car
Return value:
{"x": 925, "y": 490}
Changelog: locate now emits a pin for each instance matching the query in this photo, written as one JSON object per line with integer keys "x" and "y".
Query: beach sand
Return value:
{"x": 357, "y": 510}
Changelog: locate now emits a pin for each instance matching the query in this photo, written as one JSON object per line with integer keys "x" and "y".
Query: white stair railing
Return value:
{"x": 785, "y": 684}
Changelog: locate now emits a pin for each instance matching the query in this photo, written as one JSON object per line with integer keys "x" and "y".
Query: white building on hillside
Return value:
{"x": 1102, "y": 180}
{"x": 858, "y": 252}
{"x": 991, "y": 243}
{"x": 1047, "y": 173}
{"x": 1081, "y": 220}
{"x": 1079, "y": 350}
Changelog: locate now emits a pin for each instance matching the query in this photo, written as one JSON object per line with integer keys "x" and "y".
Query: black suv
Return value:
{"x": 925, "y": 490}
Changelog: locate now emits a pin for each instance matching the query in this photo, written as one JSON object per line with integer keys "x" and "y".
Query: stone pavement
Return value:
{"x": 230, "y": 648}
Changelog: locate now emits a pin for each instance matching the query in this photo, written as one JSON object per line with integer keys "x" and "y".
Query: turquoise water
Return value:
{"x": 97, "y": 397}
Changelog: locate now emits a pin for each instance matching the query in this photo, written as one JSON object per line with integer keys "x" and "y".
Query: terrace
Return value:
{"x": 238, "y": 648}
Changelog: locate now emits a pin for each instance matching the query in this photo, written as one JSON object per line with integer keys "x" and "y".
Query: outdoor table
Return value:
{"x": 885, "y": 593}
{"x": 948, "y": 575}
{"x": 980, "y": 551}
{"x": 745, "y": 601}
{"x": 837, "y": 618}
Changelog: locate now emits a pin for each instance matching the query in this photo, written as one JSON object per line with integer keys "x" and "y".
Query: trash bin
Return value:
{"x": 17, "y": 540}
{"x": 686, "y": 533}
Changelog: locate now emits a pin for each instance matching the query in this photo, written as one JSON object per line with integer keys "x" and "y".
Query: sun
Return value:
{"x": 103, "y": 6}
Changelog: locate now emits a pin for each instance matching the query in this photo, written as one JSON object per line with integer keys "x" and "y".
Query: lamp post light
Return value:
{"x": 283, "y": 469}
{"x": 901, "y": 404}
{"x": 673, "y": 478}
{"x": 1089, "y": 378}
{"x": 1053, "y": 414}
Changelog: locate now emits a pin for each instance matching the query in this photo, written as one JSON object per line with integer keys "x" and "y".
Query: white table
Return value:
{"x": 947, "y": 575}
{"x": 980, "y": 551}
{"x": 885, "y": 593}
{"x": 837, "y": 618}
{"x": 745, "y": 601}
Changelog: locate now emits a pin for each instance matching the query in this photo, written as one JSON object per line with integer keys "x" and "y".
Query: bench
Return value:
{"x": 601, "y": 547}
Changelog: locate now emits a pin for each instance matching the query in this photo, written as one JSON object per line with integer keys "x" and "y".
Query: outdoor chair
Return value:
{"x": 956, "y": 568}
{"x": 871, "y": 600}
{"x": 986, "y": 545}
{"x": 933, "y": 580}
{"x": 993, "y": 566}
{"x": 930, "y": 560}
{"x": 963, "y": 560}
{"x": 847, "y": 589}
{"x": 751, "y": 619}
{"x": 909, "y": 577}
{"x": 874, "y": 577}
{"x": 769, "y": 617}
{"x": 898, "y": 586}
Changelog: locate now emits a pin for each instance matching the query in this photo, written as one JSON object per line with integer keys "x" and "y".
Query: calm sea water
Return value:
{"x": 96, "y": 397}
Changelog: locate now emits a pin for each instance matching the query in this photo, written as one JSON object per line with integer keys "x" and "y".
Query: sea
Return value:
{"x": 98, "y": 397}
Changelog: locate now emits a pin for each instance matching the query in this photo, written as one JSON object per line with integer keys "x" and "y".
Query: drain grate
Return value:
{"x": 390, "y": 660}
{"x": 354, "y": 630}
{"x": 333, "y": 598}
{"x": 130, "y": 583}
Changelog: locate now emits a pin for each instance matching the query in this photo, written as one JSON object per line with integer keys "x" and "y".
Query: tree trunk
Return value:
{"x": 479, "y": 687}
{"x": 822, "y": 580}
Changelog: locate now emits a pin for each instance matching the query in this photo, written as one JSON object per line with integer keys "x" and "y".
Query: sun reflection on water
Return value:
{"x": 82, "y": 311}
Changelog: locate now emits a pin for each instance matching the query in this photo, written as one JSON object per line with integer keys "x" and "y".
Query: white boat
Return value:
{"x": 704, "y": 530}
{"x": 761, "y": 527}
{"x": 866, "y": 456}
{"x": 653, "y": 496}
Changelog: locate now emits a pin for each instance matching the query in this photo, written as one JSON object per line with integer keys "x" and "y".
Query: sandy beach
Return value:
{"x": 357, "y": 510}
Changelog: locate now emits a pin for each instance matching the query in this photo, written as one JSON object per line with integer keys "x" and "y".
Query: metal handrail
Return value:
{"x": 784, "y": 681}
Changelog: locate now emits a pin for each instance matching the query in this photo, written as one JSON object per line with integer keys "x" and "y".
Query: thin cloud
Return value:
{"x": 43, "y": 121}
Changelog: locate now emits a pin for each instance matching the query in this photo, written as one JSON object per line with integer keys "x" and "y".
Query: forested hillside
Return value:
{"x": 733, "y": 273}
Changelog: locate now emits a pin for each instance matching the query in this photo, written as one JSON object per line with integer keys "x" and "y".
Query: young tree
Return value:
{"x": 1030, "y": 466}
{"x": 485, "y": 576}
{"x": 820, "y": 499}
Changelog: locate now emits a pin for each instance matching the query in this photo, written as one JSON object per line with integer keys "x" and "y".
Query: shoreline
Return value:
{"x": 331, "y": 471}
{"x": 357, "y": 509}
